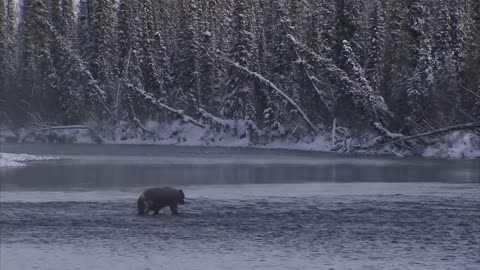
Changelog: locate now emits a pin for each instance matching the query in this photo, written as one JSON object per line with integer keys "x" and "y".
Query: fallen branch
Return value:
{"x": 437, "y": 131}
{"x": 139, "y": 124}
{"x": 276, "y": 89}
{"x": 156, "y": 103}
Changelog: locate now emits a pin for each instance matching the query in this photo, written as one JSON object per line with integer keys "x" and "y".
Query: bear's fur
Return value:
{"x": 154, "y": 199}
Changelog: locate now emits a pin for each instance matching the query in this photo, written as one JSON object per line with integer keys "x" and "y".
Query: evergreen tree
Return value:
{"x": 449, "y": 53}
{"x": 421, "y": 81}
{"x": 376, "y": 48}
{"x": 321, "y": 26}
{"x": 97, "y": 40}
{"x": 284, "y": 70}
{"x": 66, "y": 88}
{"x": 347, "y": 27}
{"x": 209, "y": 67}
{"x": 475, "y": 56}
{"x": 151, "y": 69}
{"x": 332, "y": 59}
{"x": 3, "y": 48}
{"x": 7, "y": 53}
{"x": 188, "y": 67}
{"x": 239, "y": 102}
{"x": 37, "y": 77}
{"x": 67, "y": 19}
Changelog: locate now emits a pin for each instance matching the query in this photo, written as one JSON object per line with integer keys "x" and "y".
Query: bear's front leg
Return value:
{"x": 174, "y": 208}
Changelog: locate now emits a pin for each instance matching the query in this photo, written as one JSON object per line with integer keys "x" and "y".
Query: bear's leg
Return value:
{"x": 174, "y": 208}
{"x": 157, "y": 208}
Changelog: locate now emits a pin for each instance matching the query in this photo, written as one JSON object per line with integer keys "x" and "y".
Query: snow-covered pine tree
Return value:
{"x": 3, "y": 49}
{"x": 449, "y": 45}
{"x": 376, "y": 47}
{"x": 37, "y": 77}
{"x": 320, "y": 39}
{"x": 7, "y": 54}
{"x": 320, "y": 26}
{"x": 97, "y": 42}
{"x": 475, "y": 56}
{"x": 266, "y": 103}
{"x": 239, "y": 101}
{"x": 67, "y": 19}
{"x": 187, "y": 81}
{"x": 209, "y": 67}
{"x": 55, "y": 12}
{"x": 287, "y": 69}
{"x": 347, "y": 27}
{"x": 151, "y": 69}
{"x": 67, "y": 90}
{"x": 10, "y": 17}
{"x": 396, "y": 65}
{"x": 284, "y": 70}
{"x": 408, "y": 62}
{"x": 3, "y": 22}
{"x": 128, "y": 32}
{"x": 165, "y": 47}
{"x": 421, "y": 81}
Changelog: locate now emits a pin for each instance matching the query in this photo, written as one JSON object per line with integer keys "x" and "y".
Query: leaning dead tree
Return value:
{"x": 272, "y": 86}
{"x": 364, "y": 101}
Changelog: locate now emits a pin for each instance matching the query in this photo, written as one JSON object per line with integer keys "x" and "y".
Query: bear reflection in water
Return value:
{"x": 154, "y": 199}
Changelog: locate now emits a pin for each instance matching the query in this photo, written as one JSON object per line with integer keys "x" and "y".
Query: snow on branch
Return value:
{"x": 276, "y": 89}
{"x": 312, "y": 81}
{"x": 364, "y": 101}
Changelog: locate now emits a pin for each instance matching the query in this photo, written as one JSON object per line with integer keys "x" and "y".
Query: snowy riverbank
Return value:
{"x": 453, "y": 145}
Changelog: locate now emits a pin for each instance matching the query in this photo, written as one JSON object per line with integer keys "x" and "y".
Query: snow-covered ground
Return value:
{"x": 19, "y": 160}
{"x": 455, "y": 145}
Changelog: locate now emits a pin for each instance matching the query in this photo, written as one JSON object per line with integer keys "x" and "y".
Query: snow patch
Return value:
{"x": 18, "y": 160}
{"x": 455, "y": 145}
{"x": 320, "y": 143}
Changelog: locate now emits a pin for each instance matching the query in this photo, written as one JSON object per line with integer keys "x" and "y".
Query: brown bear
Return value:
{"x": 154, "y": 199}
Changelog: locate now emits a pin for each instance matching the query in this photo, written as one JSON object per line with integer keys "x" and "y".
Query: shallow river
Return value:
{"x": 246, "y": 209}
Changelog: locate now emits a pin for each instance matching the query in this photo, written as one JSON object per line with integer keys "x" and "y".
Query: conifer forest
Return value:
{"x": 361, "y": 72}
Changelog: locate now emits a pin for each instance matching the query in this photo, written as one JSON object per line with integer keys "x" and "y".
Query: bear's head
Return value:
{"x": 182, "y": 197}
{"x": 142, "y": 206}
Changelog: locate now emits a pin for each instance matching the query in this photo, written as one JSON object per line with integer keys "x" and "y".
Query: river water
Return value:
{"x": 246, "y": 209}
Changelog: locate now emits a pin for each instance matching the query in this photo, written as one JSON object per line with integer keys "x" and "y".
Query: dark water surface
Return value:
{"x": 246, "y": 209}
